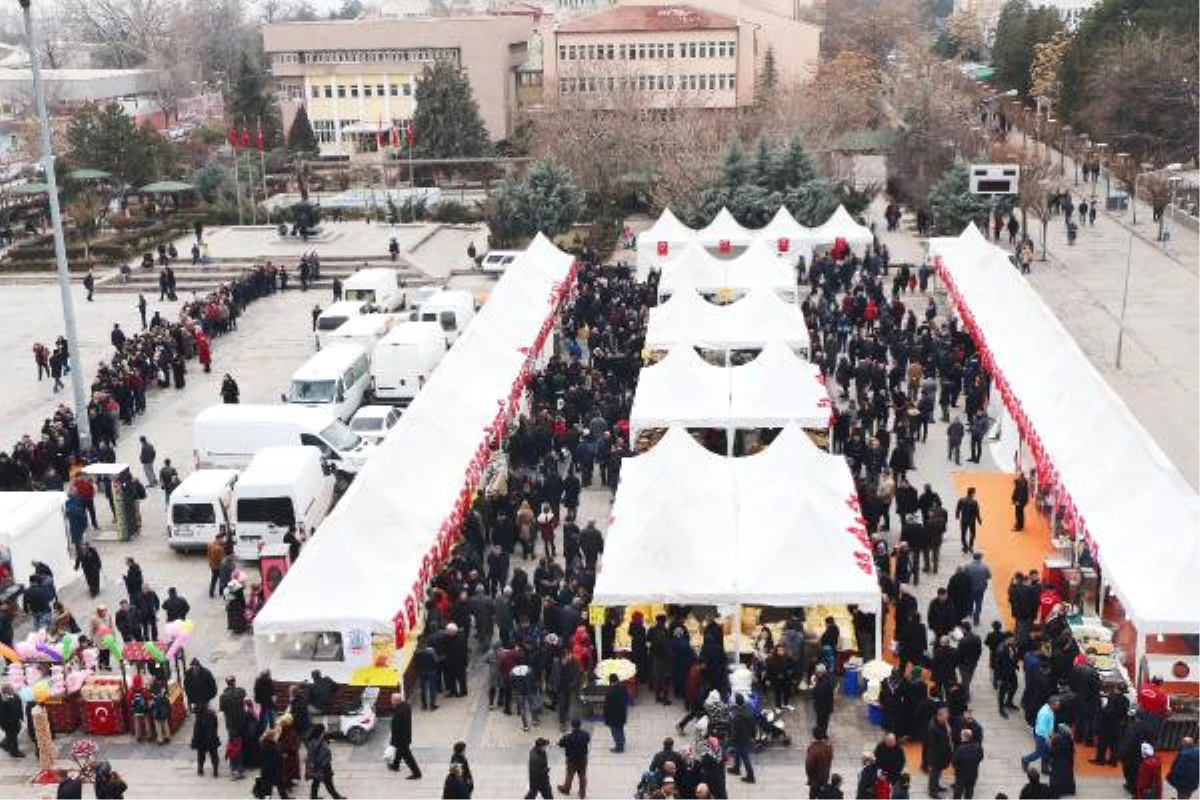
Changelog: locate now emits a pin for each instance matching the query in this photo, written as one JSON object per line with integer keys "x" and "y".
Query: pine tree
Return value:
{"x": 446, "y": 123}
{"x": 795, "y": 165}
{"x": 735, "y": 171}
{"x": 764, "y": 162}
{"x": 952, "y": 204}
{"x": 300, "y": 139}
{"x": 767, "y": 79}
{"x": 251, "y": 101}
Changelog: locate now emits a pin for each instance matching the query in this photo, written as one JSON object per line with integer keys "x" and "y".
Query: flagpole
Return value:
{"x": 237, "y": 182}
{"x": 262, "y": 160}
{"x": 250, "y": 195}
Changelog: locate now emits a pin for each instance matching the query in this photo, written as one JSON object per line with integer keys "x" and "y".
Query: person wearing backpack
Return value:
{"x": 160, "y": 713}
{"x": 139, "y": 707}
{"x": 318, "y": 765}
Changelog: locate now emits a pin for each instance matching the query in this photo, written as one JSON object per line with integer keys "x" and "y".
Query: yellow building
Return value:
{"x": 358, "y": 77}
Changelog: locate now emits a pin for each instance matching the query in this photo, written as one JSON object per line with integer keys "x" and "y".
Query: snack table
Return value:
{"x": 103, "y": 700}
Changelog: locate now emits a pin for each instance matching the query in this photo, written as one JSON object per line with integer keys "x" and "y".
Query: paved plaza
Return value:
{"x": 274, "y": 337}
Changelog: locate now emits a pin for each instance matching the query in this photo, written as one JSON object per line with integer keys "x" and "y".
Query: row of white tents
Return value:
{"x": 1138, "y": 512}
{"x": 364, "y": 573}
{"x": 758, "y": 317}
{"x": 668, "y": 238}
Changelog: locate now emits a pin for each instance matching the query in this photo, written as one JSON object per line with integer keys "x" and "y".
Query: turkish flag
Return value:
{"x": 233, "y": 137}
{"x": 723, "y": 246}
{"x": 245, "y": 136}
{"x": 260, "y": 140}
{"x": 395, "y": 136}
{"x": 663, "y": 248}
{"x": 410, "y": 137}
{"x": 784, "y": 244}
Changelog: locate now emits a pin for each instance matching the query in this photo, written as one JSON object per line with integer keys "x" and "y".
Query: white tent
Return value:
{"x": 841, "y": 225}
{"x": 724, "y": 228}
{"x": 384, "y": 533}
{"x": 758, "y": 317}
{"x": 761, "y": 267}
{"x": 783, "y": 227}
{"x": 778, "y": 388}
{"x": 666, "y": 234}
{"x": 680, "y": 389}
{"x": 1138, "y": 511}
{"x": 757, "y": 267}
{"x": 692, "y": 267}
{"x": 33, "y": 528}
{"x": 771, "y": 529}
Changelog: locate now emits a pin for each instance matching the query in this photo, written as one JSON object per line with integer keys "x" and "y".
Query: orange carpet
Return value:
{"x": 1008, "y": 552}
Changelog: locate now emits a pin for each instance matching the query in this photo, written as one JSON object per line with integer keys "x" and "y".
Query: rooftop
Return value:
{"x": 649, "y": 18}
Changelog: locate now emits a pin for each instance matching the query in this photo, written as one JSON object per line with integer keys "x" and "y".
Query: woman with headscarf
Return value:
{"x": 712, "y": 767}
{"x": 547, "y": 523}
{"x": 289, "y": 750}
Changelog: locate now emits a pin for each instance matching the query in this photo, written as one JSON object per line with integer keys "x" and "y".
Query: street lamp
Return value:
{"x": 1143, "y": 168}
{"x": 60, "y": 246}
{"x": 1064, "y": 136}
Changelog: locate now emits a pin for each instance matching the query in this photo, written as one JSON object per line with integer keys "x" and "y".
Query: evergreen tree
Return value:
{"x": 300, "y": 139}
{"x": 251, "y": 101}
{"x": 795, "y": 166}
{"x": 104, "y": 137}
{"x": 735, "y": 171}
{"x": 767, "y": 79}
{"x": 763, "y": 169}
{"x": 446, "y": 123}
{"x": 545, "y": 199}
{"x": 953, "y": 206}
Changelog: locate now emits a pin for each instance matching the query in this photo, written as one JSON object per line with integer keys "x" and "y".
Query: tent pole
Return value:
{"x": 729, "y": 442}
{"x": 599, "y": 643}
{"x": 737, "y": 634}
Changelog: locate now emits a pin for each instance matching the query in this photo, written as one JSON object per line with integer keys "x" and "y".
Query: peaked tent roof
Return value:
{"x": 725, "y": 228}
{"x": 841, "y": 225}
{"x": 681, "y": 389}
{"x": 784, "y": 226}
{"x": 778, "y": 388}
{"x": 751, "y": 321}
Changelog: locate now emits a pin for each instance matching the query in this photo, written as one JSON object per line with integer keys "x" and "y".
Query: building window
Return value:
{"x": 571, "y": 53}
{"x": 671, "y": 50}
{"x": 662, "y": 83}
{"x": 341, "y": 90}
{"x": 379, "y": 92}
{"x": 408, "y": 89}
{"x": 367, "y": 90}
{"x": 691, "y": 49}
{"x": 611, "y": 83}
{"x": 394, "y": 89}
{"x": 562, "y": 52}
{"x": 670, "y": 82}
{"x": 325, "y": 130}
{"x": 562, "y": 85}
{"x": 314, "y": 91}
{"x": 354, "y": 90}
{"x": 609, "y": 50}
{"x": 732, "y": 49}
{"x": 660, "y": 51}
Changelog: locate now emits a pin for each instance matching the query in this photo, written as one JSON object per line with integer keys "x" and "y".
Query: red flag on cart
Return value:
{"x": 233, "y": 137}
{"x": 245, "y": 136}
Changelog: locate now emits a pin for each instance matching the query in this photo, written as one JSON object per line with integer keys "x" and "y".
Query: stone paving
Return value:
{"x": 273, "y": 340}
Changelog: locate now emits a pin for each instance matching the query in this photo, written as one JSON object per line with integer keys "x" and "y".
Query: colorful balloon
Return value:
{"x": 152, "y": 650}
{"x": 9, "y": 654}
{"x": 41, "y": 691}
{"x": 49, "y": 652}
{"x": 68, "y": 646}
{"x": 26, "y": 693}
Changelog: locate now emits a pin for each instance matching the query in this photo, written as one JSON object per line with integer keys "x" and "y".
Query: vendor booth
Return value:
{"x": 397, "y": 522}
{"x": 787, "y": 236}
{"x": 33, "y": 528}
{"x": 745, "y": 324}
{"x": 1109, "y": 487}
{"x": 841, "y": 225}
{"x": 725, "y": 234}
{"x": 693, "y": 528}
{"x": 758, "y": 267}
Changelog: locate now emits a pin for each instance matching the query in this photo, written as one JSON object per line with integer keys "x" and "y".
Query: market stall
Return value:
{"x": 661, "y": 242}
{"x": 787, "y": 236}
{"x": 841, "y": 225}
{"x": 397, "y": 522}
{"x": 1111, "y": 489}
{"x": 725, "y": 234}
{"x": 758, "y": 317}
{"x": 116, "y": 483}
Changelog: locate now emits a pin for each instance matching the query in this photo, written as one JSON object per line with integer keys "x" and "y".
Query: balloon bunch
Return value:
{"x": 178, "y": 633}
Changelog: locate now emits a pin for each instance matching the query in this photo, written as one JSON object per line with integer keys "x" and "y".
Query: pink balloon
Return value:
{"x": 75, "y": 681}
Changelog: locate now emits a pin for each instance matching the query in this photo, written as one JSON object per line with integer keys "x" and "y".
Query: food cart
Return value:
{"x": 116, "y": 483}
{"x": 138, "y": 657}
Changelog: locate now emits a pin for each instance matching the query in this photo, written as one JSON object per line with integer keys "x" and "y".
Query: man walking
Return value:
{"x": 615, "y": 713}
{"x": 147, "y": 457}
{"x": 1042, "y": 729}
{"x": 980, "y": 576}
{"x": 967, "y": 512}
{"x": 939, "y": 750}
{"x": 1020, "y": 498}
{"x": 89, "y": 284}
{"x": 954, "y": 437}
{"x": 141, "y": 307}
{"x": 12, "y": 713}
{"x": 575, "y": 747}
{"x": 741, "y": 737}
{"x": 979, "y": 429}
{"x": 967, "y": 757}
{"x": 401, "y": 738}
{"x": 539, "y": 771}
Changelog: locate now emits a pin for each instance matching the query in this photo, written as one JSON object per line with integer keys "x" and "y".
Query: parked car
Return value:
{"x": 372, "y": 423}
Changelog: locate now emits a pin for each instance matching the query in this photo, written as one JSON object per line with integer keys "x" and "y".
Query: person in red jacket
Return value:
{"x": 1149, "y": 774}
{"x": 1153, "y": 701}
{"x": 203, "y": 350}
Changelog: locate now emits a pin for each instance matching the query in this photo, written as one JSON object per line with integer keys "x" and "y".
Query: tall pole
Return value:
{"x": 1124, "y": 299}
{"x": 60, "y": 246}
{"x": 237, "y": 184}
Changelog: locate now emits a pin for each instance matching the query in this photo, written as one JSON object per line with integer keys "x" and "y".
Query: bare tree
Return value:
{"x": 131, "y": 31}
{"x": 1038, "y": 183}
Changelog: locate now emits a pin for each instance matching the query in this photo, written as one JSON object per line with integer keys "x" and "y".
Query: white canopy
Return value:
{"x": 33, "y": 528}
{"x": 773, "y": 390}
{"x": 841, "y": 225}
{"x": 692, "y": 267}
{"x": 724, "y": 228}
{"x": 1139, "y": 513}
{"x": 760, "y": 266}
{"x": 783, "y": 227}
{"x": 757, "y": 267}
{"x": 749, "y": 322}
{"x": 667, "y": 233}
{"x": 367, "y": 556}
{"x": 770, "y": 529}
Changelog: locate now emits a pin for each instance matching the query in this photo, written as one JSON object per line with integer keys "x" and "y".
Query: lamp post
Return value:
{"x": 1143, "y": 168}
{"x": 1124, "y": 298}
{"x": 60, "y": 246}
{"x": 1064, "y": 136}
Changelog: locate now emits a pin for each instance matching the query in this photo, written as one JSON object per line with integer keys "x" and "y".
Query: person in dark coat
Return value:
{"x": 270, "y": 776}
{"x": 1114, "y": 715}
{"x": 1062, "y": 762}
{"x": 938, "y": 750}
{"x": 539, "y": 771}
{"x": 11, "y": 717}
{"x": 206, "y": 740}
{"x": 455, "y": 788}
{"x": 401, "y": 737}
{"x": 890, "y": 757}
{"x": 1034, "y": 789}
{"x": 199, "y": 685}
{"x": 822, "y": 697}
{"x": 616, "y": 712}
{"x": 966, "y": 760}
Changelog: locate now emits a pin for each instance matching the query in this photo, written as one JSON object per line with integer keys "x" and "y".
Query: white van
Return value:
{"x": 452, "y": 309}
{"x": 404, "y": 360}
{"x": 366, "y": 330}
{"x": 379, "y": 287}
{"x": 335, "y": 315}
{"x": 200, "y": 508}
{"x": 229, "y": 435}
{"x": 335, "y": 379}
{"x": 283, "y": 488}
